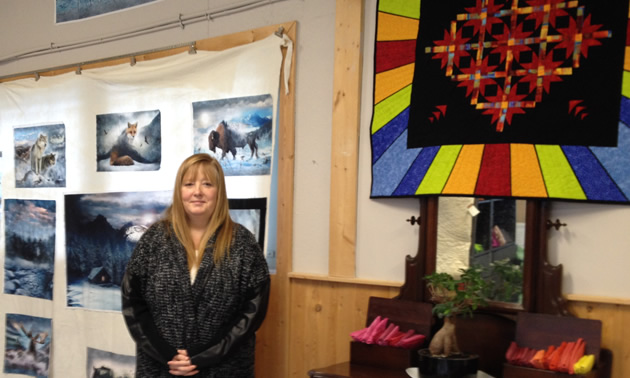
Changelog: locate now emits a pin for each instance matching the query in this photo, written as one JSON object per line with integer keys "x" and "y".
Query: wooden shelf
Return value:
{"x": 513, "y": 371}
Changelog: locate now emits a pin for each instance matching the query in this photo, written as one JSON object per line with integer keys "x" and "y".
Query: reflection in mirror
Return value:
{"x": 486, "y": 233}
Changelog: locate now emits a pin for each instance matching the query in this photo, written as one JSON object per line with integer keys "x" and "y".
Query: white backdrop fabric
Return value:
{"x": 169, "y": 84}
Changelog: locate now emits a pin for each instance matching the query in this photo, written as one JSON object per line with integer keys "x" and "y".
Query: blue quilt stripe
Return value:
{"x": 413, "y": 178}
{"x": 617, "y": 160}
{"x": 389, "y": 170}
{"x": 624, "y": 112}
{"x": 595, "y": 182}
{"x": 386, "y": 135}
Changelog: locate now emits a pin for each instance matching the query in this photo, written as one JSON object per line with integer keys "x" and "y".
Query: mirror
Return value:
{"x": 542, "y": 282}
{"x": 487, "y": 233}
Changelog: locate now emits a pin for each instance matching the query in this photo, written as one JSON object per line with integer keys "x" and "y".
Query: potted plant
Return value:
{"x": 452, "y": 297}
{"x": 507, "y": 279}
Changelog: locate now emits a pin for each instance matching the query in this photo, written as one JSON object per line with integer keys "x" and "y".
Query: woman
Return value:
{"x": 197, "y": 285}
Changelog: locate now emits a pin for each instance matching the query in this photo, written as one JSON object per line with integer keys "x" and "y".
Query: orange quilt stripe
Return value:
{"x": 527, "y": 178}
{"x": 389, "y": 82}
{"x": 464, "y": 175}
{"x": 396, "y": 28}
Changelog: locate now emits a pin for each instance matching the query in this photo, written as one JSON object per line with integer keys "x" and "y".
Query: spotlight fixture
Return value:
{"x": 36, "y": 76}
{"x": 78, "y": 70}
{"x": 192, "y": 49}
{"x": 132, "y": 61}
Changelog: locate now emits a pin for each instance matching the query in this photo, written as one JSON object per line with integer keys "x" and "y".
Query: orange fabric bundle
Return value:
{"x": 563, "y": 363}
{"x": 573, "y": 352}
{"x": 547, "y": 356}
{"x": 561, "y": 359}
{"x": 554, "y": 361}
{"x": 537, "y": 360}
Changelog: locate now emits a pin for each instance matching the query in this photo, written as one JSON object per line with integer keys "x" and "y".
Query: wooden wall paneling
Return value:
{"x": 615, "y": 330}
{"x": 345, "y": 137}
{"x": 323, "y": 314}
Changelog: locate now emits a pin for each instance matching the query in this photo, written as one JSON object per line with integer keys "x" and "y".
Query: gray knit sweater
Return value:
{"x": 165, "y": 312}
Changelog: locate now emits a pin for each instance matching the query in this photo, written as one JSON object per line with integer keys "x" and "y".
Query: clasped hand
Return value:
{"x": 180, "y": 365}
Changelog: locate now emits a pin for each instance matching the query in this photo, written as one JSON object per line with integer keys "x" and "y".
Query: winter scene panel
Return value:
{"x": 129, "y": 141}
{"x": 237, "y": 131}
{"x": 27, "y": 347}
{"x": 251, "y": 213}
{"x": 29, "y": 247}
{"x": 40, "y": 156}
{"x": 101, "y": 233}
{"x": 101, "y": 363}
{"x": 72, "y": 10}
{"x": 1, "y": 179}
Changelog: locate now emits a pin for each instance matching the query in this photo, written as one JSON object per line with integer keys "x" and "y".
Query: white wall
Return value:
{"x": 594, "y": 248}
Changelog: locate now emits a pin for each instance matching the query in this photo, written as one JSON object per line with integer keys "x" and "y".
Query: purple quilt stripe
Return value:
{"x": 413, "y": 178}
{"x": 624, "y": 112}
{"x": 392, "y": 167}
{"x": 596, "y": 183}
{"x": 386, "y": 135}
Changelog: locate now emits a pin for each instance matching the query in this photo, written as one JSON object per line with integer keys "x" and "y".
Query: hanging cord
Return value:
{"x": 179, "y": 22}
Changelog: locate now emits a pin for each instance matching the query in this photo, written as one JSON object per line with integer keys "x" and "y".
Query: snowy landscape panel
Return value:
{"x": 27, "y": 347}
{"x": 101, "y": 233}
{"x": 129, "y": 141}
{"x": 1, "y": 179}
{"x": 251, "y": 213}
{"x": 40, "y": 156}
{"x": 243, "y": 130}
{"x": 101, "y": 363}
{"x": 71, "y": 10}
{"x": 29, "y": 247}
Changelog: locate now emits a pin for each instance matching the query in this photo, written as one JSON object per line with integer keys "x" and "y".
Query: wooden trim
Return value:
{"x": 597, "y": 299}
{"x": 274, "y": 350}
{"x": 345, "y": 137}
{"x": 354, "y": 281}
{"x": 210, "y": 44}
{"x": 424, "y": 262}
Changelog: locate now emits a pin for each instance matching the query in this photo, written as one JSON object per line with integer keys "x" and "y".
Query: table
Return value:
{"x": 348, "y": 370}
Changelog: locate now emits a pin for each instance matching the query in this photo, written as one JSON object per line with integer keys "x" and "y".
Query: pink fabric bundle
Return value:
{"x": 382, "y": 332}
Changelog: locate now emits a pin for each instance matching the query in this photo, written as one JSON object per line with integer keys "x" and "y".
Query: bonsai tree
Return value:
{"x": 452, "y": 297}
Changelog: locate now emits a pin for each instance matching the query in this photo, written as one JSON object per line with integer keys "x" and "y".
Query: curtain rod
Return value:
{"x": 180, "y": 22}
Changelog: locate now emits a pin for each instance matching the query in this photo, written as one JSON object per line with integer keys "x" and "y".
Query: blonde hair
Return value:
{"x": 220, "y": 221}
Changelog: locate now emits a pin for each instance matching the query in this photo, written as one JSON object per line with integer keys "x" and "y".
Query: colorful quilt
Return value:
{"x": 505, "y": 98}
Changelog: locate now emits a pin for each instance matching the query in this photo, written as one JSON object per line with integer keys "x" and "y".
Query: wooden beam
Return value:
{"x": 275, "y": 351}
{"x": 345, "y": 137}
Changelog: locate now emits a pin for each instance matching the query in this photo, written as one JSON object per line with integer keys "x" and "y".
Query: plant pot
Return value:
{"x": 456, "y": 366}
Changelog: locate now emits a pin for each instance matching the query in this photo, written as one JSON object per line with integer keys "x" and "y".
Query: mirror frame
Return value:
{"x": 542, "y": 282}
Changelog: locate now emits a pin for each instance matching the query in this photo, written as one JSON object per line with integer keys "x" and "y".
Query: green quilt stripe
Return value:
{"x": 389, "y": 108}
{"x": 439, "y": 172}
{"x": 625, "y": 86}
{"x": 409, "y": 8}
{"x": 558, "y": 175}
